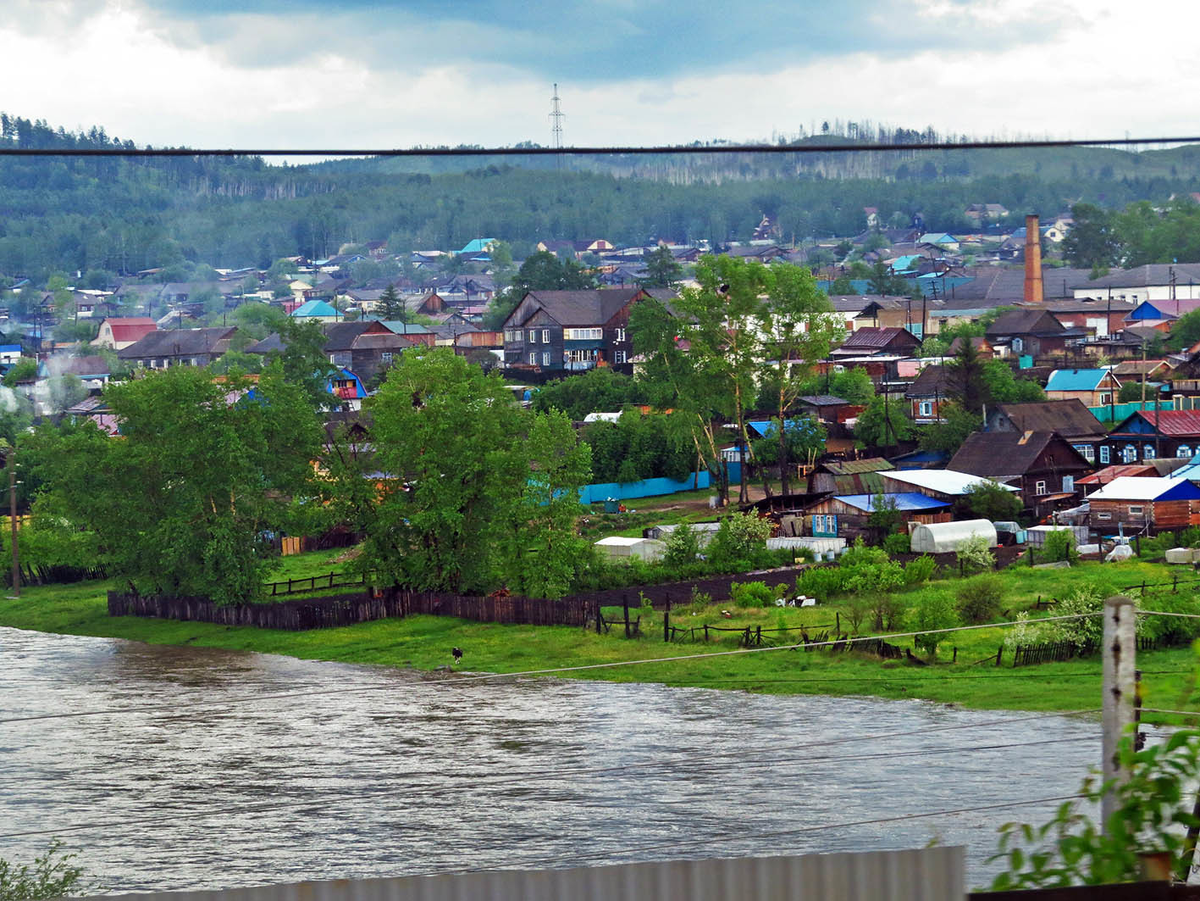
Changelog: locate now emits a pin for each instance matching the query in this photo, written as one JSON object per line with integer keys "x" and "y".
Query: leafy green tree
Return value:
{"x": 885, "y": 516}
{"x": 258, "y": 319}
{"x": 841, "y": 286}
{"x": 934, "y": 611}
{"x": 52, "y": 875}
{"x": 446, "y": 437}
{"x": 884, "y": 423}
{"x": 599, "y": 390}
{"x": 883, "y": 281}
{"x": 282, "y": 270}
{"x": 990, "y": 500}
{"x": 662, "y": 269}
{"x": 204, "y": 469}
{"x": 949, "y": 434}
{"x": 304, "y": 360}
{"x": 738, "y": 541}
{"x": 546, "y": 549}
{"x": 1185, "y": 332}
{"x": 1091, "y": 240}
{"x": 24, "y": 370}
{"x": 683, "y": 547}
{"x": 1131, "y": 392}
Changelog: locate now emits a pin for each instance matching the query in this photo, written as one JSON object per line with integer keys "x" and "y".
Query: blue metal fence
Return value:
{"x": 602, "y": 491}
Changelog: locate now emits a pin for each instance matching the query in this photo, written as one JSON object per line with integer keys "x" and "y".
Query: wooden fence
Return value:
{"x": 328, "y": 581}
{"x": 349, "y": 609}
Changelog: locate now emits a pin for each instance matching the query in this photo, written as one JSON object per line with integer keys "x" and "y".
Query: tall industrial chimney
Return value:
{"x": 1033, "y": 260}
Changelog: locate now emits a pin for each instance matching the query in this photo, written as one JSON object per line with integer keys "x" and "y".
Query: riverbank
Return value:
{"x": 425, "y": 643}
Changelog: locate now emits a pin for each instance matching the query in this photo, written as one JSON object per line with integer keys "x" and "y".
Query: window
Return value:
{"x": 926, "y": 408}
{"x": 1039, "y": 488}
{"x": 1136, "y": 509}
{"x": 1087, "y": 451}
{"x": 824, "y": 524}
{"x": 619, "y": 356}
{"x": 1018, "y": 345}
{"x": 386, "y": 356}
{"x": 533, "y": 359}
{"x": 620, "y": 334}
{"x": 1104, "y": 454}
{"x": 1129, "y": 454}
{"x": 583, "y": 334}
{"x": 1068, "y": 483}
{"x": 546, "y": 358}
{"x": 1105, "y": 398}
{"x": 1147, "y": 451}
{"x": 532, "y": 336}
{"x": 545, "y": 336}
{"x": 1183, "y": 451}
{"x": 1104, "y": 516}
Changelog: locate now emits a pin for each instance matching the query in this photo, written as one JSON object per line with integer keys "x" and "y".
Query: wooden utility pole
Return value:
{"x": 1119, "y": 688}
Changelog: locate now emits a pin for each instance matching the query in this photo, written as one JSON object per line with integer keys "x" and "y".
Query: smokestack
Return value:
{"x": 1033, "y": 260}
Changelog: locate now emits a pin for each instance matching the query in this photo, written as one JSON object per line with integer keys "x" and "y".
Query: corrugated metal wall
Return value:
{"x": 929, "y": 874}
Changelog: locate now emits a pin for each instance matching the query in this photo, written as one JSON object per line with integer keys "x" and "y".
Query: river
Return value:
{"x": 190, "y": 771}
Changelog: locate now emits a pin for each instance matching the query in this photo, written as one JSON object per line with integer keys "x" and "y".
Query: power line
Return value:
{"x": 688, "y": 149}
{"x": 466, "y": 679}
{"x": 476, "y": 779}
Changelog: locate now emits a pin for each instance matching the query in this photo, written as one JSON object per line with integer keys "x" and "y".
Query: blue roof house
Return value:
{"x": 1095, "y": 387}
{"x": 849, "y": 515}
{"x": 478, "y": 245}
{"x": 315, "y": 309}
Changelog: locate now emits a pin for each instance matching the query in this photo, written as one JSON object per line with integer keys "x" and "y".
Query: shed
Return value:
{"x": 704, "y": 531}
{"x": 948, "y": 537}
{"x": 1145, "y": 503}
{"x": 616, "y": 547}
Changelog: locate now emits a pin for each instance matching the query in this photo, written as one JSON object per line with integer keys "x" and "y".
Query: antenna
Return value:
{"x": 556, "y": 117}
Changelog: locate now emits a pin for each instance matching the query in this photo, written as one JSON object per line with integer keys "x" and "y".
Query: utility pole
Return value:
{"x": 12, "y": 519}
{"x": 1119, "y": 688}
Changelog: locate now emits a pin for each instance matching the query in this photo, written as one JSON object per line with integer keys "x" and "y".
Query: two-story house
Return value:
{"x": 1043, "y": 466}
{"x": 572, "y": 331}
{"x": 1070, "y": 418}
{"x": 178, "y": 347}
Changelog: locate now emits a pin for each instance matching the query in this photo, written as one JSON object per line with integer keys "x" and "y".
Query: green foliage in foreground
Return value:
{"x": 52, "y": 875}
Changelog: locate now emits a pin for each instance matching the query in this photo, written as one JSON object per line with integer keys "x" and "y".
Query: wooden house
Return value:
{"x": 929, "y": 392}
{"x": 1043, "y": 466}
{"x": 1031, "y": 332}
{"x": 1095, "y": 387}
{"x": 848, "y": 476}
{"x": 872, "y": 341}
{"x": 572, "y": 331}
{"x": 1151, "y": 434}
{"x": 847, "y": 516}
{"x": 1136, "y": 504}
{"x": 1070, "y": 418}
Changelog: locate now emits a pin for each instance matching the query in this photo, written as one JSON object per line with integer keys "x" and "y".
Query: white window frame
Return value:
{"x": 1105, "y": 454}
{"x": 1039, "y": 488}
{"x": 1087, "y": 451}
{"x": 619, "y": 356}
{"x": 1104, "y": 516}
{"x": 1129, "y": 453}
{"x": 1068, "y": 483}
{"x": 620, "y": 335}
{"x": 545, "y": 336}
{"x": 533, "y": 336}
{"x": 533, "y": 358}
{"x": 1137, "y": 509}
{"x": 925, "y": 408}
{"x": 546, "y": 358}
{"x": 1148, "y": 452}
{"x": 1184, "y": 451}
{"x": 386, "y": 356}
{"x": 583, "y": 334}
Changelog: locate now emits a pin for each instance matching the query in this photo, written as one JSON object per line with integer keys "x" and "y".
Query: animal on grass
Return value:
{"x": 457, "y": 652}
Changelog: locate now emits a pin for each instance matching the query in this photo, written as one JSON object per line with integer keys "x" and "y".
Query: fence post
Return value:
{"x": 667, "y": 620}
{"x": 758, "y": 637}
{"x": 598, "y": 617}
{"x": 706, "y": 631}
{"x": 1120, "y": 650}
{"x": 955, "y": 658}
{"x": 837, "y": 627}
{"x": 625, "y": 604}
{"x": 999, "y": 655}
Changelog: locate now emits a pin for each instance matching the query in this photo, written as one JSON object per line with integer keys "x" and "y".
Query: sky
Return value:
{"x": 374, "y": 74}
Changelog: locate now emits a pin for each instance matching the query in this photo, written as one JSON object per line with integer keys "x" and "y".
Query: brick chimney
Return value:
{"x": 1033, "y": 260}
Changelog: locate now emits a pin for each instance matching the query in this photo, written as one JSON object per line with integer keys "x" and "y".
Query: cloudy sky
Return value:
{"x": 372, "y": 73}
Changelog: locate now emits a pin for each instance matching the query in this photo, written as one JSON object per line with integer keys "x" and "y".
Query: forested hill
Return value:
{"x": 131, "y": 213}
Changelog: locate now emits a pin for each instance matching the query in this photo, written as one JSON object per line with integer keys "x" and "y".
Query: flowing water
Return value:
{"x": 190, "y": 771}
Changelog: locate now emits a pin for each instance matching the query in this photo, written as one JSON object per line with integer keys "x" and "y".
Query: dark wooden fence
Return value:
{"x": 349, "y": 609}
{"x": 681, "y": 592}
{"x": 1051, "y": 652}
{"x": 328, "y": 581}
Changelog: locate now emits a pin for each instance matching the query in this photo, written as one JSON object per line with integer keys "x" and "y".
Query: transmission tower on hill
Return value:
{"x": 556, "y": 117}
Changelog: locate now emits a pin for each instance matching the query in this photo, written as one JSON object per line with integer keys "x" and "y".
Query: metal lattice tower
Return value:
{"x": 556, "y": 117}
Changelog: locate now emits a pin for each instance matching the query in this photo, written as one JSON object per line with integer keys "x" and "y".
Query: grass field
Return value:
{"x": 424, "y": 642}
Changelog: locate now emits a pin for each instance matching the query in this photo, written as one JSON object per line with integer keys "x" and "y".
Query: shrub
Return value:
{"x": 1079, "y": 632}
{"x": 740, "y": 538}
{"x": 751, "y": 594}
{"x": 975, "y": 555}
{"x": 1060, "y": 545}
{"x": 683, "y": 546}
{"x": 919, "y": 570}
{"x": 933, "y": 611}
{"x": 821, "y": 582}
{"x": 980, "y": 599}
{"x": 888, "y": 610}
{"x": 897, "y": 543}
{"x": 858, "y": 608}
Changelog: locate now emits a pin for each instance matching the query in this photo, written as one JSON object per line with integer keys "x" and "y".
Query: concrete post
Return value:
{"x": 1119, "y": 687}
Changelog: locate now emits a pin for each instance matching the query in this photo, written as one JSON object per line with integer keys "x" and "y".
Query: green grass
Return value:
{"x": 424, "y": 642}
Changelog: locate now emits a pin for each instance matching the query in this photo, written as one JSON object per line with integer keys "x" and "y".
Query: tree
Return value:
{"x": 24, "y": 370}
{"x": 446, "y": 437}
{"x": 841, "y": 286}
{"x": 1131, "y": 392}
{"x": 205, "y": 470}
{"x": 392, "y": 306}
{"x": 1091, "y": 242}
{"x": 883, "y": 281}
{"x": 796, "y": 330}
{"x": 966, "y": 383}
{"x": 1185, "y": 332}
{"x": 885, "y": 516}
{"x": 52, "y": 875}
{"x": 990, "y": 500}
{"x": 662, "y": 269}
{"x": 933, "y": 614}
{"x": 948, "y": 435}
{"x": 599, "y": 390}
{"x": 305, "y": 362}
{"x": 545, "y": 549}
{"x": 883, "y": 423}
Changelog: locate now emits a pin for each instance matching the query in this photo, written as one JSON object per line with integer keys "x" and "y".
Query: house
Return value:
{"x": 95, "y": 409}
{"x": 1070, "y": 418}
{"x": 363, "y": 347}
{"x": 1100, "y": 478}
{"x": 828, "y": 408}
{"x": 572, "y": 331}
{"x": 1095, "y": 387}
{"x": 9, "y": 354}
{"x": 1136, "y": 370}
{"x": 846, "y": 516}
{"x": 415, "y": 333}
{"x": 981, "y": 213}
{"x": 939, "y": 484}
{"x": 1031, "y": 332}
{"x": 119, "y": 333}
{"x": 1152, "y": 434}
{"x": 845, "y": 477}
{"x": 1043, "y": 466}
{"x": 178, "y": 347}
{"x": 940, "y": 240}
{"x": 478, "y": 246}
{"x": 1154, "y": 282}
{"x": 93, "y": 371}
{"x": 983, "y": 347}
{"x": 872, "y": 341}
{"x": 1097, "y": 318}
{"x": 929, "y": 392}
{"x": 349, "y": 390}
{"x": 1134, "y": 504}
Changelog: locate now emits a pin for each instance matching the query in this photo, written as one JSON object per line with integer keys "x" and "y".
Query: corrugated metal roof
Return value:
{"x": 1130, "y": 488}
{"x": 1075, "y": 379}
{"x": 905, "y": 501}
{"x": 1126, "y": 470}
{"x": 1173, "y": 423}
{"x": 851, "y": 467}
{"x": 943, "y": 481}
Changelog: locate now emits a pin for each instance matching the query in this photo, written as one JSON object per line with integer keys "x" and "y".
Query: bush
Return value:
{"x": 888, "y": 610}
{"x": 933, "y": 611}
{"x": 739, "y": 541}
{"x": 919, "y": 570}
{"x": 821, "y": 582}
{"x": 683, "y": 546}
{"x": 858, "y": 608}
{"x": 1079, "y": 632}
{"x": 897, "y": 543}
{"x": 980, "y": 600}
{"x": 975, "y": 554}
{"x": 751, "y": 594}
{"x": 1059, "y": 545}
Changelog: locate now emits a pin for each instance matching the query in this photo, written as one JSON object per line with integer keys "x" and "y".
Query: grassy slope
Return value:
{"x": 425, "y": 642}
